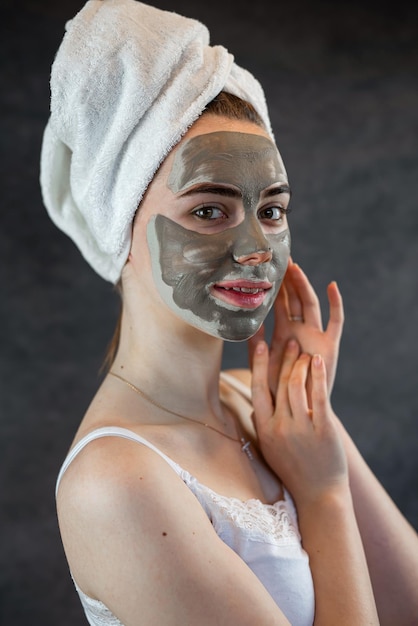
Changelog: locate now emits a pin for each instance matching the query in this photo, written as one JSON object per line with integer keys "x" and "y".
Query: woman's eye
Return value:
{"x": 273, "y": 213}
{"x": 209, "y": 213}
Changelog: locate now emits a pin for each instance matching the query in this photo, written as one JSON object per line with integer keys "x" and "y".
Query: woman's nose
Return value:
{"x": 252, "y": 247}
{"x": 254, "y": 258}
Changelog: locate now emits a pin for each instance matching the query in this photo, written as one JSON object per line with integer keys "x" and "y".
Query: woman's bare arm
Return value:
{"x": 137, "y": 539}
{"x": 304, "y": 448}
{"x": 390, "y": 543}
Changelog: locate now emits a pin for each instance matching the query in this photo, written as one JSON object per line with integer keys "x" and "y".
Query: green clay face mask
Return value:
{"x": 249, "y": 162}
{"x": 197, "y": 274}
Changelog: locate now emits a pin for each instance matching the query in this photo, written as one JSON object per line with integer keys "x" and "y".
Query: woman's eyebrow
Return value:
{"x": 232, "y": 192}
{"x": 275, "y": 191}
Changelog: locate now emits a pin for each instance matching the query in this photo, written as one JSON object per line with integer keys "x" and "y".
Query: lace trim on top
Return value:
{"x": 270, "y": 523}
{"x": 274, "y": 524}
{"x": 96, "y": 612}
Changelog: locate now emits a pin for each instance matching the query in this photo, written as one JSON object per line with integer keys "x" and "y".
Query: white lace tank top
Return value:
{"x": 265, "y": 536}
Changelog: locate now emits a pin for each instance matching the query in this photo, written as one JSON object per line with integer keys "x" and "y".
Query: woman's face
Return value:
{"x": 214, "y": 223}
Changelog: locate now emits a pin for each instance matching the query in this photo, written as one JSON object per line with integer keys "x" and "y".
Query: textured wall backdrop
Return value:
{"x": 341, "y": 81}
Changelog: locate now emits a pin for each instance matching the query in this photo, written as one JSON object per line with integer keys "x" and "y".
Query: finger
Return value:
{"x": 306, "y": 295}
{"x": 280, "y": 336}
{"x": 252, "y": 343}
{"x": 319, "y": 389}
{"x": 336, "y": 312}
{"x": 298, "y": 398}
{"x": 281, "y": 333}
{"x": 294, "y": 303}
{"x": 281, "y": 308}
{"x": 261, "y": 396}
{"x": 282, "y": 325}
{"x": 290, "y": 357}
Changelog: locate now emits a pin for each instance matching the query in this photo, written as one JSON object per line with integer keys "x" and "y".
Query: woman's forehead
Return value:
{"x": 226, "y": 157}
{"x": 210, "y": 123}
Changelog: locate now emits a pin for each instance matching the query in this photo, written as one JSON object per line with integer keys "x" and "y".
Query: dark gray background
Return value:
{"x": 341, "y": 82}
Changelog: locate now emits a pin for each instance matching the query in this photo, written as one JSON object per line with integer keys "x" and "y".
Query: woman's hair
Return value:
{"x": 232, "y": 107}
{"x": 223, "y": 105}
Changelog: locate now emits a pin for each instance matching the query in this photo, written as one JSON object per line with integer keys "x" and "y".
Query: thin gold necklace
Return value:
{"x": 245, "y": 445}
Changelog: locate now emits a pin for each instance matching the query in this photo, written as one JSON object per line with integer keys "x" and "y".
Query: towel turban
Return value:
{"x": 127, "y": 82}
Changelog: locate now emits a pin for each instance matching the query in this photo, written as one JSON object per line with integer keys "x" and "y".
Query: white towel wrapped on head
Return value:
{"x": 126, "y": 84}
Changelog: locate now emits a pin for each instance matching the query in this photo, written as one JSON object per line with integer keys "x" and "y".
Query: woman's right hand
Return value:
{"x": 301, "y": 445}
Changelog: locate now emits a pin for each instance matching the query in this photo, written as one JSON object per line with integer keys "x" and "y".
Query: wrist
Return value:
{"x": 335, "y": 498}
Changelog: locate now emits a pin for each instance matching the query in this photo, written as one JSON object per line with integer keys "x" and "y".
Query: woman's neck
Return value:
{"x": 171, "y": 360}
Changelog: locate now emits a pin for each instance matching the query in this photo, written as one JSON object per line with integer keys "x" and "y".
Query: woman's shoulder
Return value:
{"x": 243, "y": 375}
{"x": 114, "y": 488}
{"x": 135, "y": 535}
{"x": 236, "y": 392}
{"x": 109, "y": 459}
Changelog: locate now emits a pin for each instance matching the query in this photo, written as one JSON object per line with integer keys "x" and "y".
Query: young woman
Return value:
{"x": 192, "y": 496}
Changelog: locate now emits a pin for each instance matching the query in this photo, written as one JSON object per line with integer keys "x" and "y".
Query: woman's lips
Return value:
{"x": 243, "y": 294}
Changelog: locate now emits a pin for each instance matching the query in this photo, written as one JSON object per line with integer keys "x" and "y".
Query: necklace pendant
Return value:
{"x": 246, "y": 447}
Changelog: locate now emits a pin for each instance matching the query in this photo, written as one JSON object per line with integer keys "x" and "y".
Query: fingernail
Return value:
{"x": 292, "y": 344}
{"x": 260, "y": 347}
{"x": 317, "y": 360}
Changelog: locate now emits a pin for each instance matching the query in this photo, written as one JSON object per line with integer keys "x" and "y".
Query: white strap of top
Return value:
{"x": 116, "y": 431}
{"x": 110, "y": 431}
